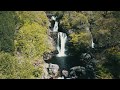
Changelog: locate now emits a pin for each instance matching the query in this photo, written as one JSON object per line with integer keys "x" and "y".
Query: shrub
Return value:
{"x": 14, "y": 68}
{"x": 103, "y": 73}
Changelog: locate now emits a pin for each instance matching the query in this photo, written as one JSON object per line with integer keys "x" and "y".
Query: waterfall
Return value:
{"x": 92, "y": 43}
{"x": 53, "y": 18}
{"x": 62, "y": 38}
{"x": 55, "y": 28}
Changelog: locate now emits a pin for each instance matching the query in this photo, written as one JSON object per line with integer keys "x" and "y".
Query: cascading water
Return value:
{"x": 61, "y": 59}
{"x": 55, "y": 28}
{"x": 92, "y": 43}
{"x": 62, "y": 38}
{"x": 53, "y": 18}
{"x": 61, "y": 41}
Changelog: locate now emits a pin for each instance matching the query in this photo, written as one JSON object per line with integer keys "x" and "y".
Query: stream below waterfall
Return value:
{"x": 65, "y": 62}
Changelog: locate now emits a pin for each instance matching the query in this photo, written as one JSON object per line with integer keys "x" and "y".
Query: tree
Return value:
{"x": 7, "y": 30}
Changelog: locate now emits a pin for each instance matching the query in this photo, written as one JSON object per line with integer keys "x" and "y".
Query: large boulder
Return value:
{"x": 50, "y": 71}
{"x": 53, "y": 69}
{"x": 78, "y": 68}
{"x": 73, "y": 75}
{"x": 86, "y": 56}
{"x": 77, "y": 72}
{"x": 65, "y": 73}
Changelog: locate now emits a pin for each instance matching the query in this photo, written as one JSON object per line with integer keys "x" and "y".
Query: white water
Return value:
{"x": 62, "y": 38}
{"x": 61, "y": 41}
{"x": 55, "y": 28}
{"x": 92, "y": 43}
{"x": 53, "y": 18}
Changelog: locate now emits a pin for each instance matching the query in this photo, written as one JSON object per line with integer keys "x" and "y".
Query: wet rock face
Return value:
{"x": 77, "y": 72}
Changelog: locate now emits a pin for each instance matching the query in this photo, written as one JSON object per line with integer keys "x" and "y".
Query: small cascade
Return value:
{"x": 53, "y": 18}
{"x": 62, "y": 38}
{"x": 92, "y": 43}
{"x": 55, "y": 28}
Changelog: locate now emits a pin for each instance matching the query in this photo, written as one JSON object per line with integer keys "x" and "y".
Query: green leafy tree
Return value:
{"x": 32, "y": 39}
{"x": 7, "y": 30}
{"x": 73, "y": 20}
{"x": 25, "y": 35}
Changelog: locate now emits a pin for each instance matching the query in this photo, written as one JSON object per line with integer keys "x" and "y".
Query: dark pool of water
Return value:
{"x": 66, "y": 62}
